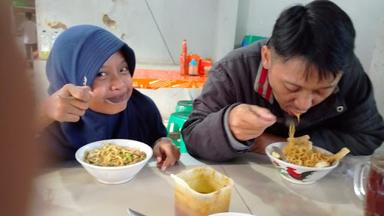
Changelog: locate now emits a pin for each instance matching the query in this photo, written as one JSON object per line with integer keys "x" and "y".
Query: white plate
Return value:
{"x": 231, "y": 214}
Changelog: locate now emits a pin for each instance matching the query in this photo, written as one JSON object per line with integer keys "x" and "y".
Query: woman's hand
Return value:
{"x": 66, "y": 105}
{"x": 166, "y": 153}
{"x": 249, "y": 121}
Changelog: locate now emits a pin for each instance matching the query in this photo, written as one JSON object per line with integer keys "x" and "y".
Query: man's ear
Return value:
{"x": 266, "y": 57}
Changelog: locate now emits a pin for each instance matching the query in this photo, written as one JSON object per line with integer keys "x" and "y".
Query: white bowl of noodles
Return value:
{"x": 300, "y": 174}
{"x": 114, "y": 161}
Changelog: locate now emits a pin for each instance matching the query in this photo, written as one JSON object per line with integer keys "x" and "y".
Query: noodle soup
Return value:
{"x": 114, "y": 155}
{"x": 299, "y": 161}
{"x": 116, "y": 163}
{"x": 300, "y": 151}
{"x": 296, "y": 173}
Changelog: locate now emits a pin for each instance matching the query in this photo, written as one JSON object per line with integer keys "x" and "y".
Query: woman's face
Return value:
{"x": 112, "y": 86}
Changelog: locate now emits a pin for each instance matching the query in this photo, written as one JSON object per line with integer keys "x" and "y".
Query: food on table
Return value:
{"x": 114, "y": 155}
{"x": 276, "y": 155}
{"x": 299, "y": 151}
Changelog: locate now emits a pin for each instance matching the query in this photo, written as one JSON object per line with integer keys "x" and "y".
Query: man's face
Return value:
{"x": 112, "y": 87}
{"x": 295, "y": 86}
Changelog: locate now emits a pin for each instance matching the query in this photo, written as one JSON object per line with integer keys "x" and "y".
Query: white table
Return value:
{"x": 69, "y": 190}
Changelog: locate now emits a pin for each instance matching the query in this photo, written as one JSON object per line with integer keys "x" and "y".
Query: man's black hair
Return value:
{"x": 320, "y": 31}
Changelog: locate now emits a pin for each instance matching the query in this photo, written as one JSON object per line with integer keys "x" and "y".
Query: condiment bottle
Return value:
{"x": 193, "y": 68}
{"x": 184, "y": 59}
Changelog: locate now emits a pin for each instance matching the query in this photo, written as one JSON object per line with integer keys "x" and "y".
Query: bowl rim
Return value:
{"x": 278, "y": 144}
{"x": 82, "y": 162}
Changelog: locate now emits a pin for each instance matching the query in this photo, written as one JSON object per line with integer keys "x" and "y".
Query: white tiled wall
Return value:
{"x": 377, "y": 68}
{"x": 154, "y": 30}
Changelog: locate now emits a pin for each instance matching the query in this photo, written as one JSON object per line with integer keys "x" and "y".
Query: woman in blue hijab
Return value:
{"x": 91, "y": 96}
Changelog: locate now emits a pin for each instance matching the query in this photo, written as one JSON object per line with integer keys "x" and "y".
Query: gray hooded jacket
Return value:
{"x": 347, "y": 118}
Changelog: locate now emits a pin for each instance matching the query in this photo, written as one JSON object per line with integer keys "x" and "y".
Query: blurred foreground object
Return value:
{"x": 16, "y": 124}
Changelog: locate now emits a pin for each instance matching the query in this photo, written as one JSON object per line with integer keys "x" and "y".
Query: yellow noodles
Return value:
{"x": 297, "y": 116}
{"x": 291, "y": 132}
{"x": 114, "y": 155}
{"x": 299, "y": 150}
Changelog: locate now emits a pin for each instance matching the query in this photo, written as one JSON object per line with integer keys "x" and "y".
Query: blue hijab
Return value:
{"x": 79, "y": 52}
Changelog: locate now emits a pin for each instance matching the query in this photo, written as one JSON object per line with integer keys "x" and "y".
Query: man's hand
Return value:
{"x": 166, "y": 153}
{"x": 249, "y": 121}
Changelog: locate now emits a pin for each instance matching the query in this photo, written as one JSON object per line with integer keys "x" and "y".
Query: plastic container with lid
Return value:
{"x": 201, "y": 191}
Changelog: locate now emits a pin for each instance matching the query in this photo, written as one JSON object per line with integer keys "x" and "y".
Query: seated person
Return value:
{"x": 91, "y": 96}
{"x": 307, "y": 68}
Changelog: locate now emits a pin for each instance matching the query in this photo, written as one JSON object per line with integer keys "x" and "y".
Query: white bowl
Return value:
{"x": 118, "y": 174}
{"x": 295, "y": 173}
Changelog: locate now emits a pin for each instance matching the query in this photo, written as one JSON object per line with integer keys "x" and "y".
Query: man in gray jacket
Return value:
{"x": 306, "y": 68}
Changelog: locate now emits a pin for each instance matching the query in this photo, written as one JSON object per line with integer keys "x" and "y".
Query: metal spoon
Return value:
{"x": 132, "y": 212}
{"x": 85, "y": 80}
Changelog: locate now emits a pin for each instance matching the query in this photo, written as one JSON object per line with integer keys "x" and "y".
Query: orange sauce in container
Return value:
{"x": 201, "y": 191}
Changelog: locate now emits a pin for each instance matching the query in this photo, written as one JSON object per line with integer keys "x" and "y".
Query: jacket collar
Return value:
{"x": 333, "y": 106}
{"x": 261, "y": 85}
